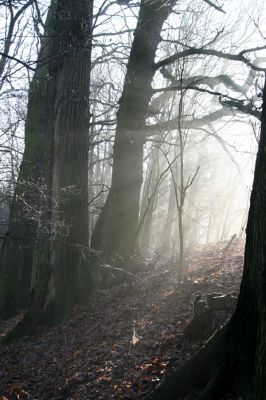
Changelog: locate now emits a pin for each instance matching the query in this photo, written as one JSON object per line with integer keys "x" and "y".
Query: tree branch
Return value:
{"x": 210, "y": 52}
{"x": 25, "y": 64}
{"x": 218, "y": 8}
{"x": 203, "y": 90}
{"x": 210, "y": 81}
{"x": 195, "y": 123}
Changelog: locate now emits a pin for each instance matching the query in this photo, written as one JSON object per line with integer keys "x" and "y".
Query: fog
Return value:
{"x": 216, "y": 203}
{"x": 212, "y": 178}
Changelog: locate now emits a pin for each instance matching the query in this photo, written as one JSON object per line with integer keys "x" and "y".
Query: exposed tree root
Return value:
{"x": 200, "y": 378}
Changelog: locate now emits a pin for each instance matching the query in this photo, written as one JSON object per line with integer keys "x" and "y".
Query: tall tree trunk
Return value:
{"x": 117, "y": 225}
{"x": 235, "y": 359}
{"x": 62, "y": 275}
{"x": 20, "y": 239}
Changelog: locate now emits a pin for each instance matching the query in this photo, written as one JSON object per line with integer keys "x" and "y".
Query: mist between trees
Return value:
{"x": 128, "y": 130}
{"x": 201, "y": 115}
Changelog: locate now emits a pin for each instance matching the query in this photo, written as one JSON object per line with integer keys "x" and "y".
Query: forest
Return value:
{"x": 132, "y": 200}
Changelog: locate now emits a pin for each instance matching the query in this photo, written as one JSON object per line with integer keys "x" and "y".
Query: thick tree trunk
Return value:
{"x": 20, "y": 240}
{"x": 248, "y": 326}
{"x": 62, "y": 273}
{"x": 241, "y": 354}
{"x": 116, "y": 228}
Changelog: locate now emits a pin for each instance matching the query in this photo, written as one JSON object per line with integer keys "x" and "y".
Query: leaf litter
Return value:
{"x": 121, "y": 343}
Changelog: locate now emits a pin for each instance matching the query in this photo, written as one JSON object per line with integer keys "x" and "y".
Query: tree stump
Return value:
{"x": 209, "y": 312}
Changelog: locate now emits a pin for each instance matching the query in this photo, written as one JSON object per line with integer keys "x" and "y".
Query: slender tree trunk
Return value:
{"x": 181, "y": 255}
{"x": 182, "y": 190}
{"x": 149, "y": 201}
{"x": 167, "y": 229}
{"x": 91, "y": 182}
{"x": 117, "y": 225}
{"x": 147, "y": 227}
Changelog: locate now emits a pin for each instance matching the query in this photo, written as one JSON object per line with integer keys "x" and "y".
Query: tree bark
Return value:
{"x": 62, "y": 272}
{"x": 240, "y": 353}
{"x": 116, "y": 228}
{"x": 20, "y": 240}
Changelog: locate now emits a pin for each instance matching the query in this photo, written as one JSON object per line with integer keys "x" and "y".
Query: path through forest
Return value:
{"x": 121, "y": 343}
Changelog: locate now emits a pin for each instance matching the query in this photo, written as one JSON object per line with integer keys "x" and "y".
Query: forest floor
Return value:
{"x": 121, "y": 343}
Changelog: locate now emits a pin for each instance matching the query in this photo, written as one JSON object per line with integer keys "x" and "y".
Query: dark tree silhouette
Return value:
{"x": 116, "y": 228}
{"x": 234, "y": 360}
{"x": 61, "y": 268}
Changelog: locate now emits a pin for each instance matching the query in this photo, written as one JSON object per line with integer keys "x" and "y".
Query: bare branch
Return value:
{"x": 194, "y": 123}
{"x": 191, "y": 179}
{"x": 9, "y": 38}
{"x": 210, "y": 81}
{"x": 218, "y": 8}
{"x": 225, "y": 100}
{"x": 211, "y": 52}
{"x": 25, "y": 64}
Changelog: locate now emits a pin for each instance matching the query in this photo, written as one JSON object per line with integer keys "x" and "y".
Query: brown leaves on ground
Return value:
{"x": 121, "y": 343}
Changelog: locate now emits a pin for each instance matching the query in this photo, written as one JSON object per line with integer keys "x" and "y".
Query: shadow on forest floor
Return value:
{"x": 120, "y": 344}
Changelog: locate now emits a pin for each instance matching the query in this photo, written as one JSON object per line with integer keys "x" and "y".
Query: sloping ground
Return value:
{"x": 120, "y": 345}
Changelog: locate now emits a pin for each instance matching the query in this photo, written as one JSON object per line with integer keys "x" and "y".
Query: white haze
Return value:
{"x": 218, "y": 207}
